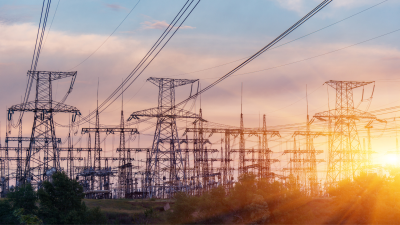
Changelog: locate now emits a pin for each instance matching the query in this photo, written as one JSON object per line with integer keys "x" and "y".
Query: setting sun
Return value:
{"x": 391, "y": 159}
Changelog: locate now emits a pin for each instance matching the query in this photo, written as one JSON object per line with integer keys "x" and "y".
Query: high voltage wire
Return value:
{"x": 106, "y": 38}
{"x": 323, "y": 28}
{"x": 260, "y": 52}
{"x": 155, "y": 49}
{"x": 36, "y": 54}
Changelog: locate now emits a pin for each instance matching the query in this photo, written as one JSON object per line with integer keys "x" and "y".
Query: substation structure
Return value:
{"x": 175, "y": 162}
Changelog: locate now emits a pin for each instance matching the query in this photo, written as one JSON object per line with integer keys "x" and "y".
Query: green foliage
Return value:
{"x": 183, "y": 209}
{"x": 6, "y": 215}
{"x": 61, "y": 202}
{"x": 23, "y": 197}
{"x": 26, "y": 219}
{"x": 148, "y": 213}
{"x": 95, "y": 216}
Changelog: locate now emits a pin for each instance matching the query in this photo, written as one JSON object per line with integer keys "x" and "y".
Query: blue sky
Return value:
{"x": 217, "y": 32}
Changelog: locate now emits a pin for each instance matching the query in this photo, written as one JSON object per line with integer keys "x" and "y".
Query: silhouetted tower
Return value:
{"x": 242, "y": 142}
{"x": 43, "y": 135}
{"x": 346, "y": 159}
{"x": 166, "y": 154}
{"x": 265, "y": 163}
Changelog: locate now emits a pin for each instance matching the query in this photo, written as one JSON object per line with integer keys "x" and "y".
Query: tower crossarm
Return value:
{"x": 33, "y": 140}
{"x": 17, "y": 149}
{"x": 64, "y": 158}
{"x": 53, "y": 75}
{"x": 303, "y": 151}
{"x": 347, "y": 84}
{"x": 78, "y": 149}
{"x": 311, "y": 133}
{"x": 250, "y": 150}
{"x": 113, "y": 158}
{"x": 248, "y": 131}
{"x": 175, "y": 82}
{"x": 110, "y": 130}
{"x": 43, "y": 106}
{"x": 307, "y": 160}
{"x": 11, "y": 159}
{"x": 134, "y": 149}
{"x": 350, "y": 113}
{"x": 297, "y": 169}
{"x": 158, "y": 112}
{"x": 263, "y": 160}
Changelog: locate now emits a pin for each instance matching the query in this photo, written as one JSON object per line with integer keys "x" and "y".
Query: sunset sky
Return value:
{"x": 219, "y": 33}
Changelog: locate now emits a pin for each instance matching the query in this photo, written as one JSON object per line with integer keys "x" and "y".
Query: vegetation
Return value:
{"x": 56, "y": 202}
{"x": 368, "y": 199}
{"x": 250, "y": 201}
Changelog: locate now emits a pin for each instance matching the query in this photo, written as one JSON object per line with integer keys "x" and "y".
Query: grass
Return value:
{"x": 129, "y": 211}
{"x": 114, "y": 205}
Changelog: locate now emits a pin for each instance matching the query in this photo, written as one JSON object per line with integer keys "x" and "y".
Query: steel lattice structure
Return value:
{"x": 346, "y": 157}
{"x": 43, "y": 134}
{"x": 164, "y": 163}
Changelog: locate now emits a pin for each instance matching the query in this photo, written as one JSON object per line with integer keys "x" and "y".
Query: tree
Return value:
{"x": 6, "y": 215}
{"x": 61, "y": 202}
{"x": 23, "y": 197}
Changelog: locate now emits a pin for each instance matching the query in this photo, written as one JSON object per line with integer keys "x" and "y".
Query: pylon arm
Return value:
{"x": 158, "y": 112}
{"x": 78, "y": 149}
{"x": 348, "y": 85}
{"x": 263, "y": 160}
{"x": 134, "y": 149}
{"x": 311, "y": 133}
{"x": 53, "y": 75}
{"x": 303, "y": 151}
{"x": 250, "y": 150}
{"x": 110, "y": 130}
{"x": 352, "y": 113}
{"x": 113, "y": 158}
{"x": 177, "y": 82}
{"x": 233, "y": 131}
{"x": 307, "y": 160}
{"x": 44, "y": 106}
{"x": 33, "y": 140}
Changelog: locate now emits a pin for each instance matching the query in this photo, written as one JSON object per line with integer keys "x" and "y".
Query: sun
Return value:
{"x": 392, "y": 159}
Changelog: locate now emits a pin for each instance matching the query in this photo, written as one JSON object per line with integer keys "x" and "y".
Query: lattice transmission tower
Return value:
{"x": 164, "y": 163}
{"x": 42, "y": 151}
{"x": 346, "y": 159}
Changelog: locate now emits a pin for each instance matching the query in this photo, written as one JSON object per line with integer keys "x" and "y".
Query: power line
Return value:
{"x": 264, "y": 49}
{"x": 125, "y": 84}
{"x": 323, "y": 28}
{"x": 51, "y": 24}
{"x": 316, "y": 56}
{"x": 105, "y": 39}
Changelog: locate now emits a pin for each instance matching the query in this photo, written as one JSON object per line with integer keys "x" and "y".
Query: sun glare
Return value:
{"x": 392, "y": 159}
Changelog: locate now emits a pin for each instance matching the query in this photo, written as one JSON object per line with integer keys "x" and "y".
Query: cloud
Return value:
{"x": 304, "y": 6}
{"x": 279, "y": 92}
{"x": 264, "y": 91}
{"x": 115, "y": 7}
{"x": 10, "y": 14}
{"x": 293, "y": 5}
{"x": 160, "y": 25}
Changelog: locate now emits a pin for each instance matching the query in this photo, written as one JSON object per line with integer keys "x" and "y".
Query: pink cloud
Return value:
{"x": 160, "y": 25}
{"x": 115, "y": 7}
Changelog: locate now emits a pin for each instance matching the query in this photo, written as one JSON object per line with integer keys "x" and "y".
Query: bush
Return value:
{"x": 95, "y": 216}
{"x": 6, "y": 213}
{"x": 23, "y": 197}
{"x": 61, "y": 203}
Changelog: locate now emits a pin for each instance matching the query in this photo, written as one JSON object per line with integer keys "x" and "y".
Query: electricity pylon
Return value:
{"x": 43, "y": 136}
{"x": 166, "y": 155}
{"x": 346, "y": 159}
